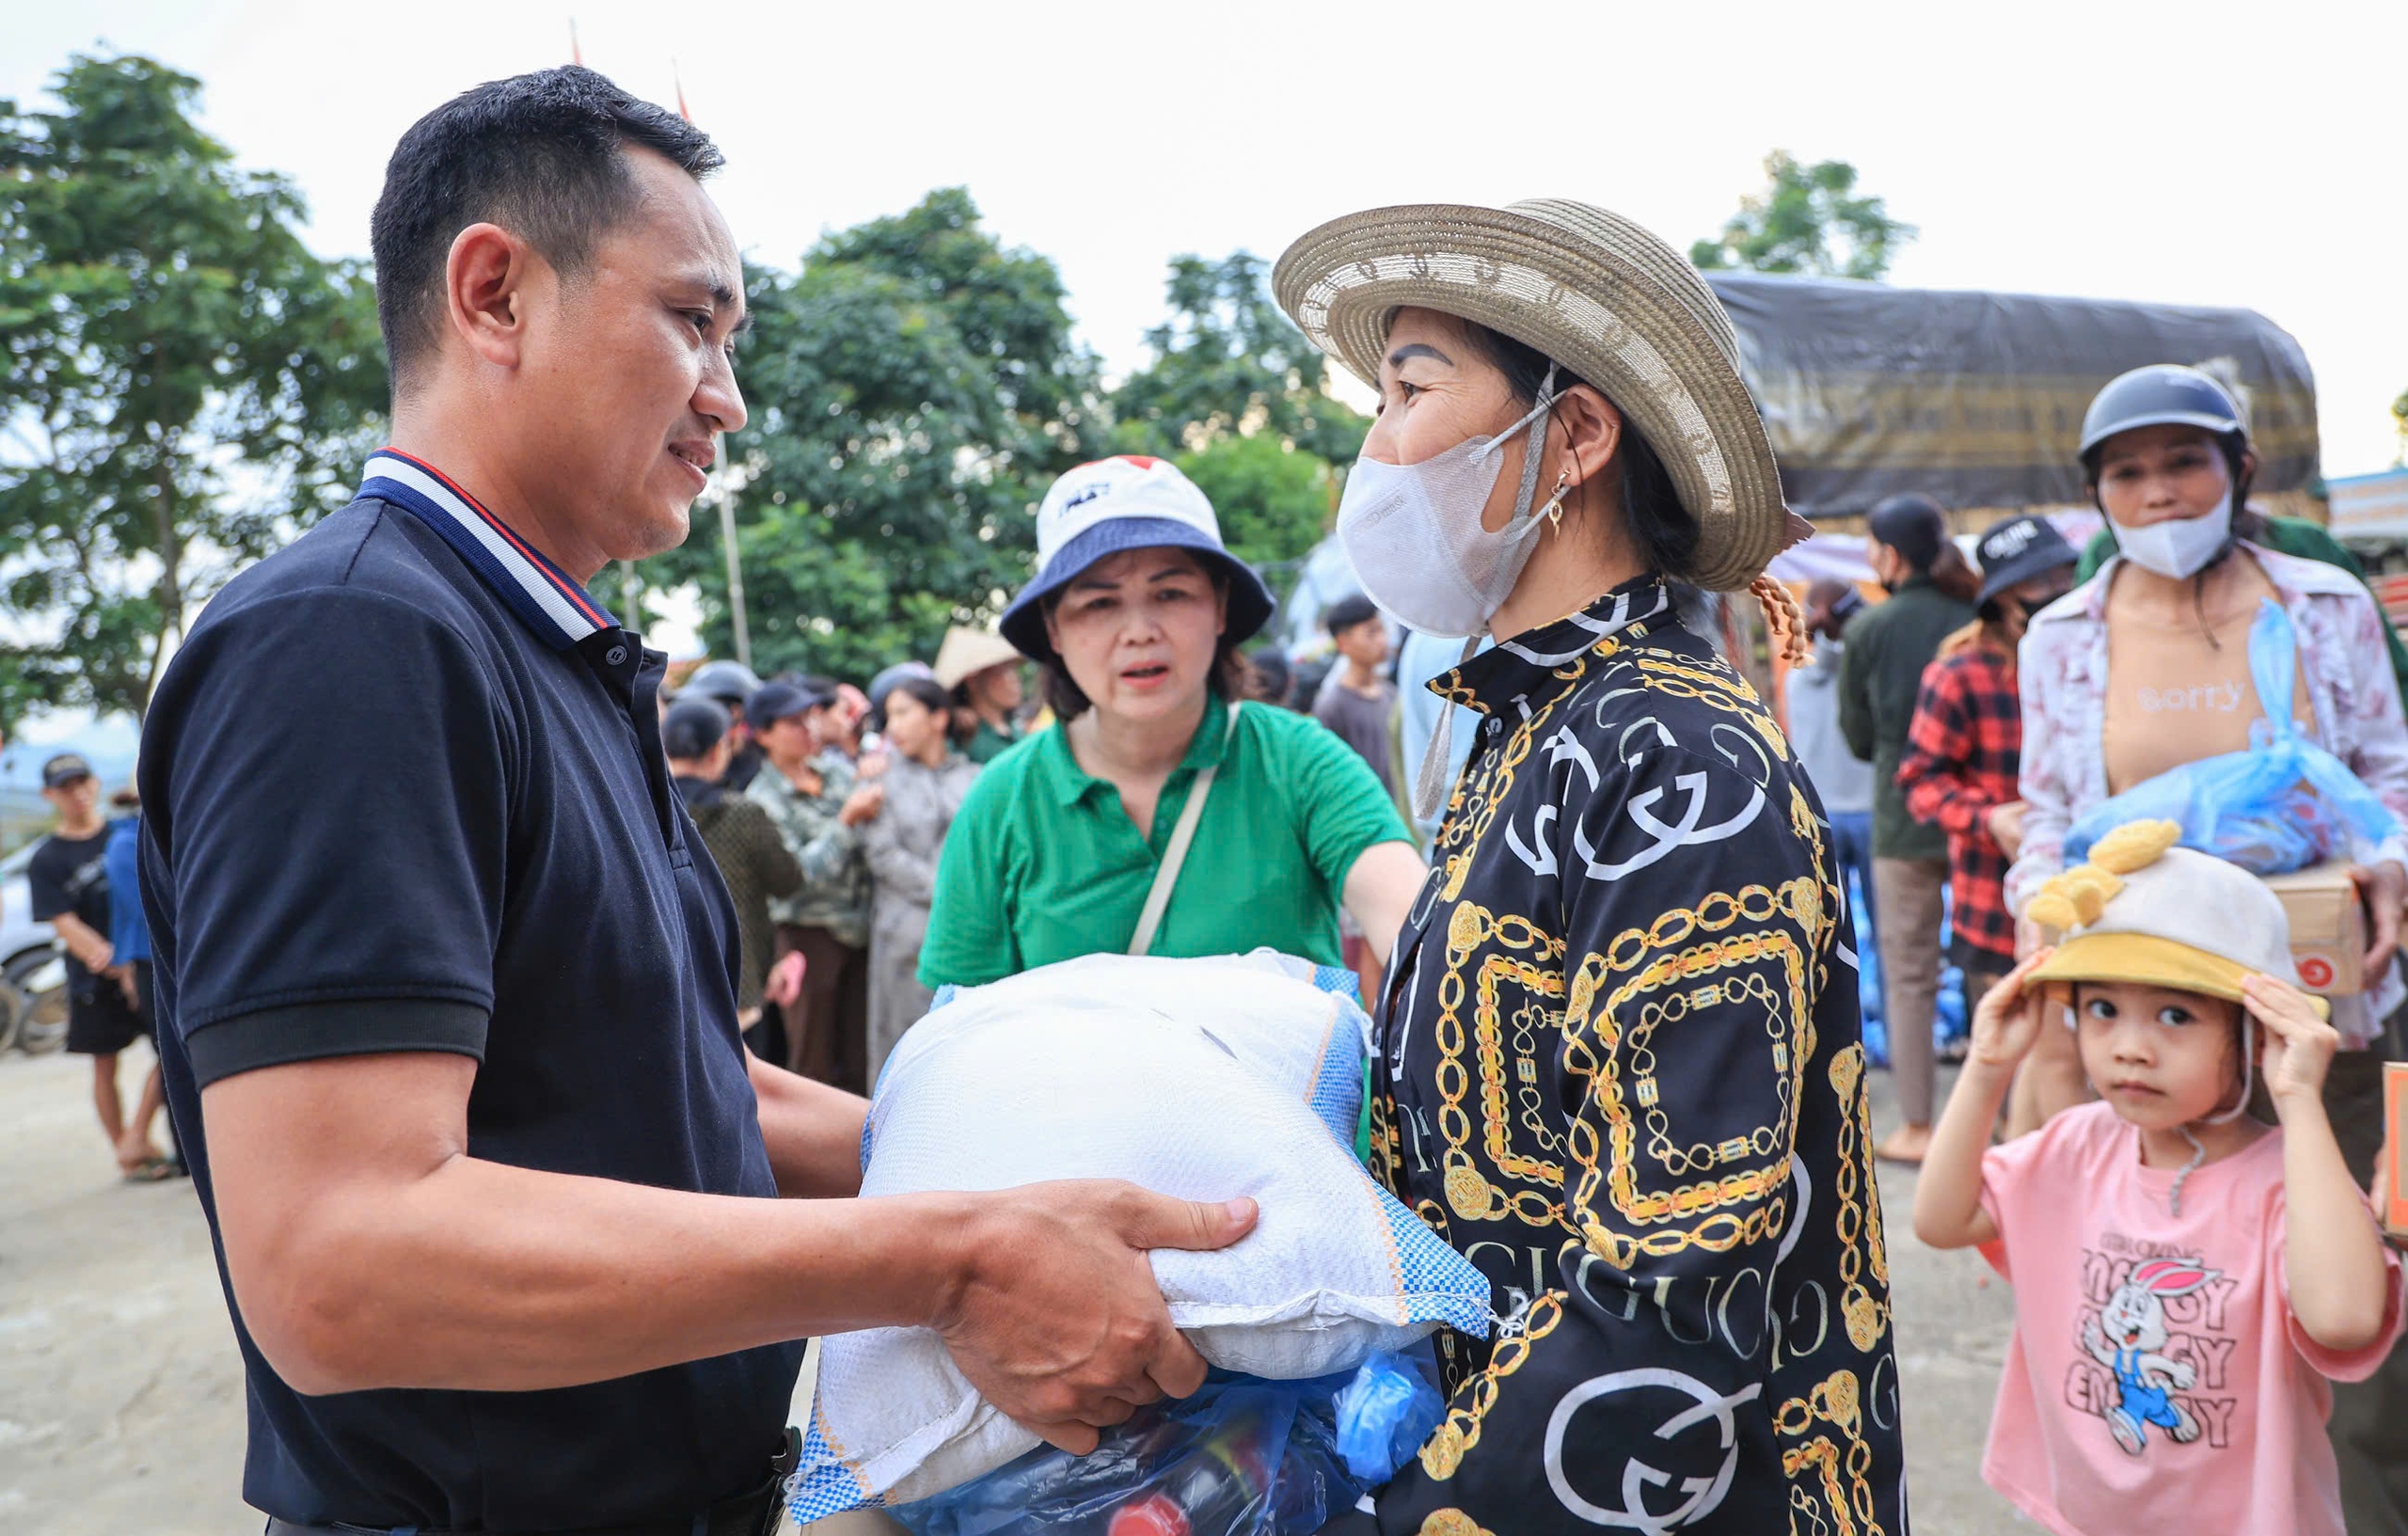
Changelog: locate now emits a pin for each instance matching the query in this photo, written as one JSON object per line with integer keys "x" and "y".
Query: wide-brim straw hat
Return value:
{"x": 968, "y": 652}
{"x": 1596, "y": 294}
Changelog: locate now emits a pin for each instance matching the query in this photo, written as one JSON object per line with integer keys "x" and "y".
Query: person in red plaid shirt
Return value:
{"x": 1963, "y": 748}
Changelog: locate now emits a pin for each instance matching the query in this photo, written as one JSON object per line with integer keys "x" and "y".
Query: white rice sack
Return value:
{"x": 1203, "y": 1080}
{"x": 1294, "y": 1022}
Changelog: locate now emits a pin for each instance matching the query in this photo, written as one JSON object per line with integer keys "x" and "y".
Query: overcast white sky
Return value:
{"x": 2196, "y": 153}
{"x": 2200, "y": 154}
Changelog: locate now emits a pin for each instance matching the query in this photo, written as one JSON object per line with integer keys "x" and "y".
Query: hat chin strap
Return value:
{"x": 2248, "y": 1078}
{"x": 2224, "y": 1116}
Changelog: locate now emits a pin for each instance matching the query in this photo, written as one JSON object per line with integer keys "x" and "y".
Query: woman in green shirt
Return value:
{"x": 1136, "y": 616}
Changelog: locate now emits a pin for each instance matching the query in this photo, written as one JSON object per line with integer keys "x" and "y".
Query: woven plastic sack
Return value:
{"x": 1198, "y": 1079}
{"x": 2281, "y": 805}
{"x": 1293, "y": 1021}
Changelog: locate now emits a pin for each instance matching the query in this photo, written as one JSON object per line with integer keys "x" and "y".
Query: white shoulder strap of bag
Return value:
{"x": 1149, "y": 921}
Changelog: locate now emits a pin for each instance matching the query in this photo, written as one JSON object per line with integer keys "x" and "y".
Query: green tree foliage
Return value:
{"x": 2399, "y": 422}
{"x": 185, "y": 383}
{"x": 1809, "y": 220}
{"x": 1228, "y": 362}
{"x": 1237, "y": 397}
{"x": 1275, "y": 501}
{"x": 914, "y": 390}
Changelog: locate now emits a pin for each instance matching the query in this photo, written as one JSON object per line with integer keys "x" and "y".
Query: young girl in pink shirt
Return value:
{"x": 2186, "y": 1279}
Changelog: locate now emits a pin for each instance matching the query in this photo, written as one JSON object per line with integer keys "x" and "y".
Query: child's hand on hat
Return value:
{"x": 2011, "y": 1015}
{"x": 2382, "y": 887}
{"x": 2299, "y": 1043}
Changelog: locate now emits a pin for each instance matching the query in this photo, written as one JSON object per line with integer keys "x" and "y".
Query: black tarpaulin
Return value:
{"x": 1977, "y": 399}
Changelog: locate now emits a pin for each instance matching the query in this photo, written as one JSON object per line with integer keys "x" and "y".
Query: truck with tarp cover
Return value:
{"x": 1976, "y": 399}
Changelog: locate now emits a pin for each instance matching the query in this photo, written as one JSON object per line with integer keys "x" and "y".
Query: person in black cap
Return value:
{"x": 752, "y": 859}
{"x": 728, "y": 684}
{"x": 1964, "y": 750}
{"x": 808, "y": 786}
{"x": 1886, "y": 647}
{"x": 68, "y": 878}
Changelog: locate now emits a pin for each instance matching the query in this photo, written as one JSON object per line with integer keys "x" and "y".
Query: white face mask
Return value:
{"x": 1413, "y": 530}
{"x": 2180, "y": 548}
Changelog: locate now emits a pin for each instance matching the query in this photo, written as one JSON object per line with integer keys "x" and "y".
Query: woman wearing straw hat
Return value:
{"x": 982, "y": 673}
{"x": 1159, "y": 815}
{"x": 1619, "y": 1064}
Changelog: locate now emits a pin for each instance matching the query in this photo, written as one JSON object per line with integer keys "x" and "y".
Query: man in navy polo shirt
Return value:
{"x": 448, "y": 993}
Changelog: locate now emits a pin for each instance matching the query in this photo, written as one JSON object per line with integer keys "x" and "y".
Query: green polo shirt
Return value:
{"x": 1043, "y": 864}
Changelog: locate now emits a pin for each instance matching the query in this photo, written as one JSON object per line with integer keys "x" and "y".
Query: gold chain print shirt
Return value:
{"x": 1621, "y": 1071}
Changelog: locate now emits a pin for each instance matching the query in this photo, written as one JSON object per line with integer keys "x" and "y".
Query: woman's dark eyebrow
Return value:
{"x": 1416, "y": 349}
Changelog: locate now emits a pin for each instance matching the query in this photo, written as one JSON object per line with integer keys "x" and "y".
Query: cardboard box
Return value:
{"x": 2328, "y": 926}
{"x": 2395, "y": 1145}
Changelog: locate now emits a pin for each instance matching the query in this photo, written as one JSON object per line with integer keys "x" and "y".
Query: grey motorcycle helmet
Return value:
{"x": 2161, "y": 394}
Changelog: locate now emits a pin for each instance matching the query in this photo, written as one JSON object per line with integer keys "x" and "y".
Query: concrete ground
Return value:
{"x": 122, "y": 1397}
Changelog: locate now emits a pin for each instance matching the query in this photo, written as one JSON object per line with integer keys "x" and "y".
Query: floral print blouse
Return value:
{"x": 2344, "y": 656}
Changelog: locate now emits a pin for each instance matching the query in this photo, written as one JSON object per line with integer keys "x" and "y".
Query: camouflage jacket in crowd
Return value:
{"x": 835, "y": 876}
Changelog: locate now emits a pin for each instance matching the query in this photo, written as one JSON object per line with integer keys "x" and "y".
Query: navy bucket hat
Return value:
{"x": 1126, "y": 502}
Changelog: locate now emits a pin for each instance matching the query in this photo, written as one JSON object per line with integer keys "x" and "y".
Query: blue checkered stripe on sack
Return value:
{"x": 1337, "y": 1097}
{"x": 824, "y": 1485}
{"x": 1440, "y": 1285}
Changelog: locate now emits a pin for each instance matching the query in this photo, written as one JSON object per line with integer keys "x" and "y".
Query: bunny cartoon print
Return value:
{"x": 2130, "y": 1338}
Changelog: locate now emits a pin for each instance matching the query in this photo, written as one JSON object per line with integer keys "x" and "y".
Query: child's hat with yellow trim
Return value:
{"x": 2144, "y": 910}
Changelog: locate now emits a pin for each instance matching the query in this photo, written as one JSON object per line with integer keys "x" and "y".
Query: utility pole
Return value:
{"x": 735, "y": 573}
{"x": 630, "y": 596}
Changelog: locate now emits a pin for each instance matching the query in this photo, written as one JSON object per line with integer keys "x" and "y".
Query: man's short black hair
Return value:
{"x": 539, "y": 154}
{"x": 1348, "y": 611}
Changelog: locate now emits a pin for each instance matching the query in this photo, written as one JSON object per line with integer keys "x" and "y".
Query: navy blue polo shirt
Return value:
{"x": 405, "y": 791}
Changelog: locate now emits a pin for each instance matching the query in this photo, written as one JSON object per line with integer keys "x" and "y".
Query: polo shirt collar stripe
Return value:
{"x": 540, "y": 592}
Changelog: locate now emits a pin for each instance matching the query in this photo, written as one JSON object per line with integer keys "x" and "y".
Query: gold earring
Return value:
{"x": 1553, "y": 508}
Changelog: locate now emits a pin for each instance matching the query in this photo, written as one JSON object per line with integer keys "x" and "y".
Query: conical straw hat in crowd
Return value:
{"x": 1596, "y": 294}
{"x": 966, "y": 652}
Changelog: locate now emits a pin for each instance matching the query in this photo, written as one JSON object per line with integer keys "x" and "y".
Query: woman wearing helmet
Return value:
{"x": 1159, "y": 815}
{"x": 1620, "y": 1065}
{"x": 2145, "y": 666}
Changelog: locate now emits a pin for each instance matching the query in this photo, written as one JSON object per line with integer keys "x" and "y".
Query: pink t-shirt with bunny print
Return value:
{"x": 2157, "y": 1380}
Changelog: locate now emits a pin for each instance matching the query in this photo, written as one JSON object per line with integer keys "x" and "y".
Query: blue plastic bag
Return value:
{"x": 1390, "y": 1407}
{"x": 1243, "y": 1457}
{"x": 2281, "y": 805}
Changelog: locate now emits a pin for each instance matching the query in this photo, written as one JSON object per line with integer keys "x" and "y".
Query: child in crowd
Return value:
{"x": 2186, "y": 1279}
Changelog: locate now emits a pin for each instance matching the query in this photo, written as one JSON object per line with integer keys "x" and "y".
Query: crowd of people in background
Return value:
{"x": 828, "y": 808}
{"x": 1164, "y": 788}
